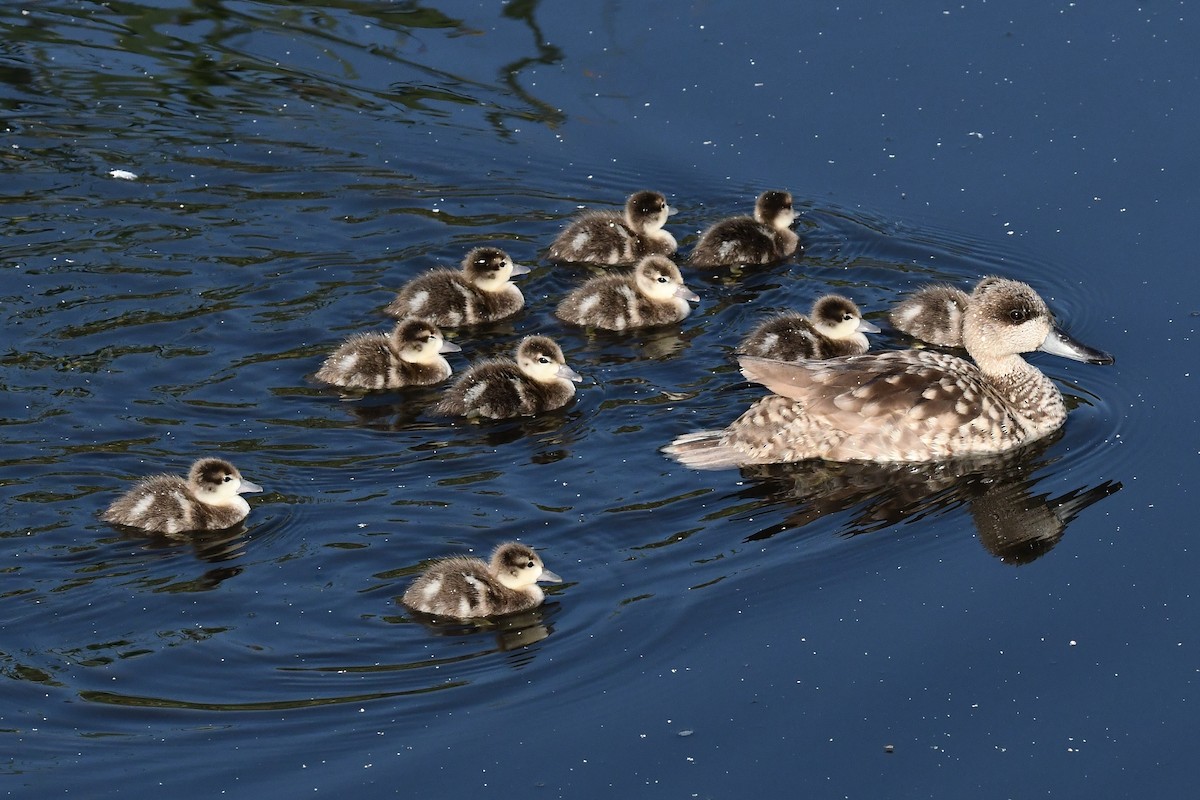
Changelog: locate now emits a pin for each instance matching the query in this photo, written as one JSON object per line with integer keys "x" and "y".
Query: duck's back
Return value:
{"x": 598, "y": 237}
{"x": 165, "y": 504}
{"x": 367, "y": 361}
{"x": 498, "y": 389}
{"x": 462, "y": 588}
{"x": 739, "y": 240}
{"x": 792, "y": 337}
{"x": 612, "y": 302}
{"x": 444, "y": 297}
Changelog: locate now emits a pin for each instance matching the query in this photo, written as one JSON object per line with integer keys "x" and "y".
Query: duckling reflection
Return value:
{"x": 513, "y": 632}
{"x": 1014, "y": 522}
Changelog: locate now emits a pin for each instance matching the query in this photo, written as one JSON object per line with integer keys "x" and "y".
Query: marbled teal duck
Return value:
{"x": 462, "y": 587}
{"x": 835, "y": 328}
{"x": 762, "y": 239}
{"x": 208, "y": 500}
{"x": 652, "y": 294}
{"x": 480, "y": 291}
{"x": 905, "y": 405}
{"x": 608, "y": 237}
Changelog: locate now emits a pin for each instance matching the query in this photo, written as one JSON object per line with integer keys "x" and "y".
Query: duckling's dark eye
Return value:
{"x": 662, "y": 279}
{"x": 228, "y": 478}
{"x": 529, "y": 565}
{"x": 1018, "y": 315}
{"x": 847, "y": 317}
{"x": 543, "y": 360}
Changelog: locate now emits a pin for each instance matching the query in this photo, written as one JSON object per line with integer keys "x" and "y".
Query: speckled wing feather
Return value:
{"x": 739, "y": 240}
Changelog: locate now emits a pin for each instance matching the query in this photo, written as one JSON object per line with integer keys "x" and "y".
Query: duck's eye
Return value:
{"x": 662, "y": 279}
{"x": 543, "y": 360}
{"x": 1018, "y": 314}
{"x": 847, "y": 317}
{"x": 530, "y": 565}
{"x": 228, "y": 478}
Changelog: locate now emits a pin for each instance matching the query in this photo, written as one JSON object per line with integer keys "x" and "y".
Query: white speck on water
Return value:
{"x": 122, "y": 174}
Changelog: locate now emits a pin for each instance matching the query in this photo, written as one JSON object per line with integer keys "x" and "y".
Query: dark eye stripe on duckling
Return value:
{"x": 214, "y": 473}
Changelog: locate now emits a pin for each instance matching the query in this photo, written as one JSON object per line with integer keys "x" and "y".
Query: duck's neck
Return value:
{"x": 1033, "y": 395}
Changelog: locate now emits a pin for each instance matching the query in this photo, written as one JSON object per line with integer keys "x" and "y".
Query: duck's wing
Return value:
{"x": 856, "y": 392}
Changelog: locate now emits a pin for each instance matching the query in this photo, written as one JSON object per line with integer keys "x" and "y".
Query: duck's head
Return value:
{"x": 517, "y": 566}
{"x": 838, "y": 317}
{"x": 489, "y": 268}
{"x": 217, "y": 482}
{"x": 421, "y": 342}
{"x": 1007, "y": 317}
{"x": 647, "y": 211}
{"x": 774, "y": 208}
{"x": 542, "y": 359}
{"x": 658, "y": 278}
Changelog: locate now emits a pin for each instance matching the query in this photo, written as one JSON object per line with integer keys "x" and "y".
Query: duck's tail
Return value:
{"x": 704, "y": 450}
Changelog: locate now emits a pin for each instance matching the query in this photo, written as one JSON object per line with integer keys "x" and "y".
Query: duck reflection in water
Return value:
{"x": 512, "y": 632}
{"x": 1015, "y": 523}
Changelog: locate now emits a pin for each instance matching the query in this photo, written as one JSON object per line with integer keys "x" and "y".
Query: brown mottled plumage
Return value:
{"x": 762, "y": 239}
{"x": 461, "y": 587}
{"x": 479, "y": 292}
{"x": 652, "y": 294}
{"x": 539, "y": 380}
{"x": 933, "y": 314}
{"x": 208, "y": 500}
{"x": 410, "y": 355}
{"x": 836, "y": 328}
{"x": 608, "y": 237}
{"x": 909, "y": 405}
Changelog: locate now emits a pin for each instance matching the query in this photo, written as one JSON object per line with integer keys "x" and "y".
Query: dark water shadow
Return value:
{"x": 1015, "y": 523}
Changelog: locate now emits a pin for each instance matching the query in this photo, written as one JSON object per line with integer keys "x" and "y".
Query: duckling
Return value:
{"x": 606, "y": 237}
{"x": 835, "y": 329}
{"x": 539, "y": 380}
{"x": 479, "y": 292}
{"x": 465, "y": 588}
{"x": 933, "y": 314}
{"x": 763, "y": 239}
{"x": 652, "y": 294}
{"x": 210, "y": 499}
{"x": 905, "y": 405}
{"x": 411, "y": 355}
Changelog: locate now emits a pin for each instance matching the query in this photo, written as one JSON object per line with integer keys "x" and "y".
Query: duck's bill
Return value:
{"x": 449, "y": 347}
{"x": 247, "y": 486}
{"x": 566, "y": 372}
{"x": 672, "y": 211}
{"x": 1059, "y": 343}
{"x": 867, "y": 327}
{"x": 549, "y": 576}
{"x": 520, "y": 269}
{"x": 687, "y": 294}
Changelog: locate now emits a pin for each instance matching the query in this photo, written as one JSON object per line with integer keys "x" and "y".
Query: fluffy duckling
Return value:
{"x": 210, "y": 499}
{"x": 479, "y": 292}
{"x": 652, "y": 294}
{"x": 466, "y": 588}
{"x": 836, "y": 328}
{"x": 539, "y": 380}
{"x": 606, "y": 237}
{"x": 933, "y": 314}
{"x": 411, "y": 355}
{"x": 905, "y": 405}
{"x": 763, "y": 239}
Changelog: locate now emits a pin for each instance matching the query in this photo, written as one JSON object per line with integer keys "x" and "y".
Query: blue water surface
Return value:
{"x": 203, "y": 198}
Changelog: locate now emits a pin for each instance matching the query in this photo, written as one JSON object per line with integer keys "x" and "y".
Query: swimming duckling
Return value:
{"x": 210, "y": 499}
{"x": 465, "y": 588}
{"x": 539, "y": 380}
{"x": 933, "y": 314}
{"x": 763, "y": 239}
{"x": 905, "y": 405}
{"x": 480, "y": 292}
{"x": 652, "y": 294}
{"x": 411, "y": 355}
{"x": 835, "y": 329}
{"x": 606, "y": 237}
